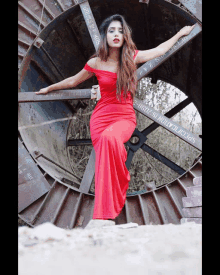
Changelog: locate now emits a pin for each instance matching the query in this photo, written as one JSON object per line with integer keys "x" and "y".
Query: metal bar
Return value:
{"x": 149, "y": 66}
{"x": 195, "y": 7}
{"x": 21, "y": 41}
{"x": 129, "y": 158}
{"x": 27, "y": 28}
{"x": 168, "y": 124}
{"x": 36, "y": 214}
{"x": 41, "y": 155}
{"x": 128, "y": 216}
{"x": 169, "y": 114}
{"x": 141, "y": 139}
{"x": 60, "y": 206}
{"x": 27, "y": 222}
{"x": 88, "y": 174}
{"x": 76, "y": 210}
{"x": 143, "y": 210}
{"x": 31, "y": 13}
{"x": 194, "y": 176}
{"x": 61, "y": 5}
{"x": 45, "y": 123}
{"x": 147, "y": 19}
{"x": 181, "y": 184}
{"x": 163, "y": 159}
{"x": 174, "y": 201}
{"x": 21, "y": 55}
{"x": 164, "y": 220}
{"x": 90, "y": 22}
{"x": 52, "y": 16}
{"x": 55, "y": 95}
{"x": 79, "y": 142}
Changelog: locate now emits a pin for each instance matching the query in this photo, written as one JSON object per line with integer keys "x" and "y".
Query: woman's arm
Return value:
{"x": 69, "y": 82}
{"x": 144, "y": 56}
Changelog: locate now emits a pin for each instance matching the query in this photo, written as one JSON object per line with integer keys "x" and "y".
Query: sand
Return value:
{"x": 146, "y": 249}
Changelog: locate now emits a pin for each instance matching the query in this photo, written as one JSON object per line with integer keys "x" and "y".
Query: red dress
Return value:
{"x": 111, "y": 125}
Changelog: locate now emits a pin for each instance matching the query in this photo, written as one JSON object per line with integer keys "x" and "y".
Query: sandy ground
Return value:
{"x": 135, "y": 250}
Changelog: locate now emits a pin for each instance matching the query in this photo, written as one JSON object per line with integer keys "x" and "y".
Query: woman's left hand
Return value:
{"x": 186, "y": 30}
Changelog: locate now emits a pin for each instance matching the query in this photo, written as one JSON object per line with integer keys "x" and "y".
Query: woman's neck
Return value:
{"x": 114, "y": 55}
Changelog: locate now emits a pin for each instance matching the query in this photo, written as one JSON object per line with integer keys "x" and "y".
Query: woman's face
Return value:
{"x": 115, "y": 37}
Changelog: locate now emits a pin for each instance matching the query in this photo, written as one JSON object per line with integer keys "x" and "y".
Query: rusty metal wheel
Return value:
{"x": 50, "y": 187}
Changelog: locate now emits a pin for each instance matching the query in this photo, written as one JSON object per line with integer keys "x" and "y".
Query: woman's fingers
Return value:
{"x": 42, "y": 91}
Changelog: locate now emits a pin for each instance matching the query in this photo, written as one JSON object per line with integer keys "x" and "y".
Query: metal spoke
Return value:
{"x": 129, "y": 158}
{"x": 79, "y": 142}
{"x": 168, "y": 124}
{"x": 90, "y": 22}
{"x": 149, "y": 66}
{"x": 55, "y": 95}
{"x": 88, "y": 174}
{"x": 163, "y": 159}
{"x": 169, "y": 114}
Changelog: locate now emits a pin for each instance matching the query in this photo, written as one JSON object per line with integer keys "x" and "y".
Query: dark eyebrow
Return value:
{"x": 114, "y": 28}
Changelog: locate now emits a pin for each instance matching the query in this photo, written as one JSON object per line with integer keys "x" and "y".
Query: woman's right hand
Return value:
{"x": 42, "y": 91}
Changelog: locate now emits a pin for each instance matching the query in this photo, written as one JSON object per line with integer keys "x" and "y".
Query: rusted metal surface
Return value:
{"x": 49, "y": 11}
{"x": 67, "y": 208}
{"x": 194, "y": 6}
{"x": 32, "y": 14}
{"x": 54, "y": 96}
{"x": 88, "y": 174}
{"x": 31, "y": 183}
{"x": 90, "y": 22}
{"x": 63, "y": 204}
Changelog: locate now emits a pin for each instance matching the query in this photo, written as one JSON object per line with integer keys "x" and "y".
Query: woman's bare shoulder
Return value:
{"x": 93, "y": 62}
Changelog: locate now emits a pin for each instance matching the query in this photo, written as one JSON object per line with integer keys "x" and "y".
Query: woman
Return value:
{"x": 113, "y": 120}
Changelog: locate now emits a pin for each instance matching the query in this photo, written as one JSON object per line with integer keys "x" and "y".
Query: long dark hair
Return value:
{"x": 126, "y": 76}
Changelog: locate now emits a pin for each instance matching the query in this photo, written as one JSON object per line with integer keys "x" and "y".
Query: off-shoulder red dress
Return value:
{"x": 111, "y": 125}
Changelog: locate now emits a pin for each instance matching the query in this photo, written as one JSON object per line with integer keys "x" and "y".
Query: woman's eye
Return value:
{"x": 113, "y": 31}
